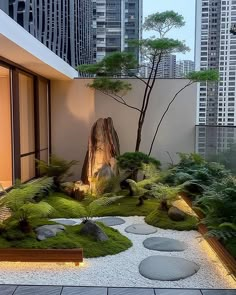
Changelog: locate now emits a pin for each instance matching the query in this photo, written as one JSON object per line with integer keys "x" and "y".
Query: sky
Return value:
{"x": 184, "y": 7}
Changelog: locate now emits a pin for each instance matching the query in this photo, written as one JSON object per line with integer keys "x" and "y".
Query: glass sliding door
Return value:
{"x": 43, "y": 102}
{"x": 6, "y": 170}
{"x": 27, "y": 126}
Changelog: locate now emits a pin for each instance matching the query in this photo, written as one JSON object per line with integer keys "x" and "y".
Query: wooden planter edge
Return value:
{"x": 226, "y": 258}
{"x": 41, "y": 255}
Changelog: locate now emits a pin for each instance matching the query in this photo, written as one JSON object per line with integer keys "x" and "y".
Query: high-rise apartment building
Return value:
{"x": 167, "y": 66}
{"x": 184, "y": 67}
{"x": 216, "y": 49}
{"x": 64, "y": 26}
{"x": 116, "y": 22}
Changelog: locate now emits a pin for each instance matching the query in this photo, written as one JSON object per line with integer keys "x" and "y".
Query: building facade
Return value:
{"x": 115, "y": 22}
{"x": 64, "y": 26}
{"x": 184, "y": 67}
{"x": 167, "y": 66}
{"x": 216, "y": 49}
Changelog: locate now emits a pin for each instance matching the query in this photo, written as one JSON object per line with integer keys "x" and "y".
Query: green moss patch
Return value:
{"x": 71, "y": 238}
{"x": 160, "y": 219}
{"x": 66, "y": 207}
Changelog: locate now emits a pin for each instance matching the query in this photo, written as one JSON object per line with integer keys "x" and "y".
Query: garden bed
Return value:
{"x": 42, "y": 255}
{"x": 227, "y": 259}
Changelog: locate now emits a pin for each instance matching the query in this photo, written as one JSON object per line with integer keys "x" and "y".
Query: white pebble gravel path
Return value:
{"x": 121, "y": 270}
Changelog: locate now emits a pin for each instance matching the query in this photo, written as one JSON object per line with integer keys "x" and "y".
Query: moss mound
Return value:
{"x": 66, "y": 207}
{"x": 71, "y": 238}
{"x": 160, "y": 219}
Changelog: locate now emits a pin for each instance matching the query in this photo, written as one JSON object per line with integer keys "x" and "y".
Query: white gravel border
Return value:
{"x": 121, "y": 270}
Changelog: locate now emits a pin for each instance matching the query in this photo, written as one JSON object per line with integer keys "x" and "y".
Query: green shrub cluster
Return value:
{"x": 213, "y": 189}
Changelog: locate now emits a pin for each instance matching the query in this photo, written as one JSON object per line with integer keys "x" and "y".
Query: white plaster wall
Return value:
{"x": 75, "y": 108}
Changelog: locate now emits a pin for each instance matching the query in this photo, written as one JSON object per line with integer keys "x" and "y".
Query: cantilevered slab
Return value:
{"x": 20, "y": 47}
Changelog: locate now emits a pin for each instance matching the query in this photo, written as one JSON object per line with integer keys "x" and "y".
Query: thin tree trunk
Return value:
{"x": 164, "y": 114}
{"x": 146, "y": 99}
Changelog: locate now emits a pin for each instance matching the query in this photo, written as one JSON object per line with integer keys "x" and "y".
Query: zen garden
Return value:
{"x": 129, "y": 220}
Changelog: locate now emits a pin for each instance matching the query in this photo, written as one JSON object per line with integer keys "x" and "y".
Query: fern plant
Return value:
{"x": 90, "y": 210}
{"x": 23, "y": 204}
{"x": 219, "y": 206}
{"x": 57, "y": 168}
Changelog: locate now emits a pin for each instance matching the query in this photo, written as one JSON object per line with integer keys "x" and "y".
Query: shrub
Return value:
{"x": 57, "y": 168}
{"x": 133, "y": 162}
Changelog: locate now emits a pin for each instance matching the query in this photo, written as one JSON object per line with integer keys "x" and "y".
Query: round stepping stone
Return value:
{"x": 141, "y": 229}
{"x": 65, "y": 221}
{"x": 166, "y": 268}
{"x": 111, "y": 221}
{"x": 164, "y": 244}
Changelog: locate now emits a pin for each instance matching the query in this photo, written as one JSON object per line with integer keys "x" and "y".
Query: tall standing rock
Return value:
{"x": 103, "y": 148}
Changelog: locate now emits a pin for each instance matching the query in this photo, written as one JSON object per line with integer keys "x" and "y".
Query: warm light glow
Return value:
{"x": 219, "y": 267}
{"x": 183, "y": 206}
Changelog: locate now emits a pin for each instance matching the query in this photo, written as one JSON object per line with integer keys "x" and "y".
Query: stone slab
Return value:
{"x": 7, "y": 289}
{"x": 111, "y": 221}
{"x": 38, "y": 290}
{"x": 84, "y": 291}
{"x": 130, "y": 291}
{"x": 167, "y": 268}
{"x": 164, "y": 244}
{"x": 177, "y": 292}
{"x": 141, "y": 229}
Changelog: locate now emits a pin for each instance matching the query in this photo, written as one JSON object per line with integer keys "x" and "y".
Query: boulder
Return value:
{"x": 91, "y": 228}
{"x": 175, "y": 214}
{"x": 47, "y": 231}
{"x": 103, "y": 148}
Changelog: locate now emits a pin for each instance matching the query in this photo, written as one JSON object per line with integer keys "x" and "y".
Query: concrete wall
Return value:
{"x": 75, "y": 107}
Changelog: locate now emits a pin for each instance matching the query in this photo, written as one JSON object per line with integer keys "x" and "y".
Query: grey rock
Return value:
{"x": 111, "y": 221}
{"x": 166, "y": 268}
{"x": 176, "y": 214}
{"x": 47, "y": 231}
{"x": 91, "y": 228}
{"x": 105, "y": 172}
{"x": 141, "y": 229}
{"x": 164, "y": 244}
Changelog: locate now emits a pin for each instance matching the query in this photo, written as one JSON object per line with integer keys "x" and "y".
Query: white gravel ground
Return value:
{"x": 121, "y": 270}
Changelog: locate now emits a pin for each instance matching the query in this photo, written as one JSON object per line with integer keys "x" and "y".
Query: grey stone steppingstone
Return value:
{"x": 164, "y": 244}
{"x": 48, "y": 231}
{"x": 177, "y": 292}
{"x": 65, "y": 221}
{"x": 167, "y": 268}
{"x": 141, "y": 229}
{"x": 7, "y": 289}
{"x": 111, "y": 221}
{"x": 84, "y": 291}
{"x": 219, "y": 292}
{"x": 38, "y": 290}
{"x": 130, "y": 291}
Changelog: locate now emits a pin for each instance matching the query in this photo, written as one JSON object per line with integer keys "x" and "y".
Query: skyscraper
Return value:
{"x": 115, "y": 22}
{"x": 216, "y": 49}
{"x": 184, "y": 67}
{"x": 167, "y": 66}
{"x": 64, "y": 26}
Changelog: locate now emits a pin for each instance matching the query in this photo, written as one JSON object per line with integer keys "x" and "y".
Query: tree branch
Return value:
{"x": 123, "y": 102}
{"x": 164, "y": 114}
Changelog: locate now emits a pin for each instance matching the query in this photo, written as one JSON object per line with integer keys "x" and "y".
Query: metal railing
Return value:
{"x": 218, "y": 144}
